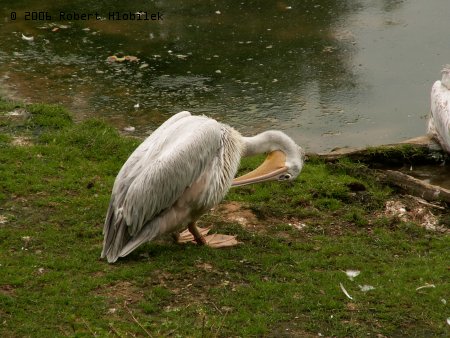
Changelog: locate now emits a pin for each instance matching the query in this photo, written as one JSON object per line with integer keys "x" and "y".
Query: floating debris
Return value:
{"x": 448, "y": 320}
{"x": 136, "y": 105}
{"x": 218, "y": 12}
{"x": 352, "y": 273}
{"x": 443, "y": 301}
{"x": 218, "y": 71}
{"x": 365, "y": 288}
{"x": 115, "y": 58}
{"x": 3, "y": 219}
{"x": 129, "y": 129}
{"x": 328, "y": 49}
{"x": 345, "y": 291}
{"x": 27, "y": 38}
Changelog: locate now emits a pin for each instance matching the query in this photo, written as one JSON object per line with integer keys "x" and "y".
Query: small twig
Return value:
{"x": 63, "y": 332}
{"x": 135, "y": 320}
{"x": 422, "y": 201}
{"x": 216, "y": 307}
{"x": 115, "y": 331}
{"x": 203, "y": 326}
{"x": 85, "y": 323}
{"x": 221, "y": 324}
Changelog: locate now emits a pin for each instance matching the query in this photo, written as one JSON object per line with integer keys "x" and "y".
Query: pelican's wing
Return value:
{"x": 131, "y": 168}
{"x": 439, "y": 124}
{"x": 154, "y": 178}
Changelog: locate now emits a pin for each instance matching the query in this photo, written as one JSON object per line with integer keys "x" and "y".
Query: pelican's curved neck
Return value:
{"x": 284, "y": 160}
{"x": 269, "y": 141}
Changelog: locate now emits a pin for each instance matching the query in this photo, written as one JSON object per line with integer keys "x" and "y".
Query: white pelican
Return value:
{"x": 439, "y": 123}
{"x": 184, "y": 168}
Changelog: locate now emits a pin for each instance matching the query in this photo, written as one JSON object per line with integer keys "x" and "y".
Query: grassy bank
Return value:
{"x": 285, "y": 280}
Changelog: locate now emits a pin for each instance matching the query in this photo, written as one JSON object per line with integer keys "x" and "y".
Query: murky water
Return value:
{"x": 329, "y": 73}
{"x": 436, "y": 175}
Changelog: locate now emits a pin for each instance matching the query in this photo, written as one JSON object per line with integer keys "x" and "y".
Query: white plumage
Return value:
{"x": 439, "y": 122}
{"x": 182, "y": 170}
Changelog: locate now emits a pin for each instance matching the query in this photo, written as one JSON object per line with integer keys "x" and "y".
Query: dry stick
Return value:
{"x": 203, "y": 326}
{"x": 63, "y": 332}
{"x": 115, "y": 331}
{"x": 136, "y": 321}
{"x": 422, "y": 201}
{"x": 216, "y": 307}
{"x": 406, "y": 182}
{"x": 221, "y": 324}
{"x": 423, "y": 142}
{"x": 414, "y": 186}
{"x": 85, "y": 323}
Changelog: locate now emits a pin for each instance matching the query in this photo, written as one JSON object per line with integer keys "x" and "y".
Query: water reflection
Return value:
{"x": 436, "y": 175}
{"x": 304, "y": 67}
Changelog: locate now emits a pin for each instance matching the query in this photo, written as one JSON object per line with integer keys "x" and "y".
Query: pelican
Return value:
{"x": 439, "y": 122}
{"x": 183, "y": 169}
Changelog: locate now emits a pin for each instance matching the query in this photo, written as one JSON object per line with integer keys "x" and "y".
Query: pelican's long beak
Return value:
{"x": 274, "y": 165}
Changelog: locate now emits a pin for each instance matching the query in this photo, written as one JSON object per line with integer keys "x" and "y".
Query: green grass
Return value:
{"x": 282, "y": 281}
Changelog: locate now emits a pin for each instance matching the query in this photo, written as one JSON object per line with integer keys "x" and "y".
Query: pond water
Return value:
{"x": 329, "y": 73}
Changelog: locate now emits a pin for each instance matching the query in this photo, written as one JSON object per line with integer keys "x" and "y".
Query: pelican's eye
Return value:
{"x": 284, "y": 177}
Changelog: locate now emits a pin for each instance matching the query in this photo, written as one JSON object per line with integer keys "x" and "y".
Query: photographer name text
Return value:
{"x": 76, "y": 16}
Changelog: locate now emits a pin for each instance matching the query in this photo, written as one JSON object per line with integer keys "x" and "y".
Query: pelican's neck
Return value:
{"x": 446, "y": 76}
{"x": 269, "y": 141}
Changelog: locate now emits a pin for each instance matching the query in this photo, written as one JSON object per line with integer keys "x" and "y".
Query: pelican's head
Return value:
{"x": 446, "y": 76}
{"x": 282, "y": 164}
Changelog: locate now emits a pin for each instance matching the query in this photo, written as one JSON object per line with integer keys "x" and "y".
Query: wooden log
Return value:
{"x": 414, "y": 186}
{"x": 419, "y": 150}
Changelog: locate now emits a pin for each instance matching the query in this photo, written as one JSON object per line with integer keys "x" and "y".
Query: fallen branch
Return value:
{"x": 422, "y": 201}
{"x": 418, "y": 150}
{"x": 414, "y": 186}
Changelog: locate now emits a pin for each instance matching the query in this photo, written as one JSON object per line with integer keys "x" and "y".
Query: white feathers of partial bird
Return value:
{"x": 439, "y": 122}
{"x": 184, "y": 168}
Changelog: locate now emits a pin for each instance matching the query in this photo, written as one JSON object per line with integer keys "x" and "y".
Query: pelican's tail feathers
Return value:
{"x": 115, "y": 235}
{"x": 148, "y": 233}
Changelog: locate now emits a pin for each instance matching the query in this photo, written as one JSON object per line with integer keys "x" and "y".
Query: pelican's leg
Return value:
{"x": 196, "y": 233}
{"x": 187, "y": 236}
{"x": 201, "y": 237}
